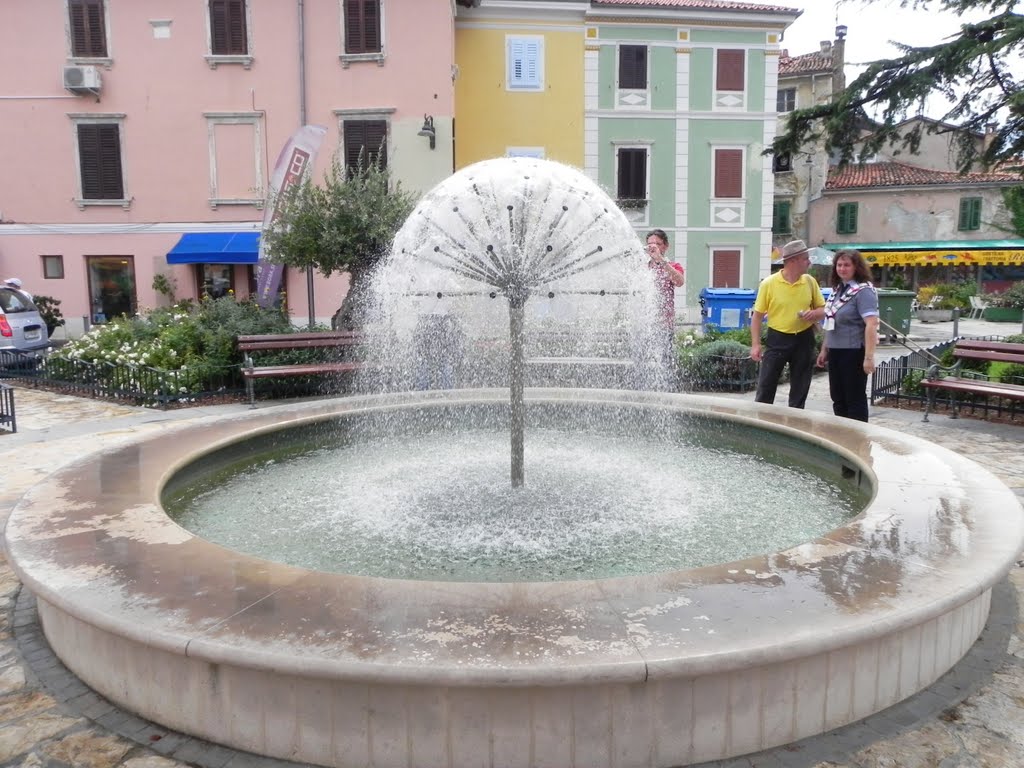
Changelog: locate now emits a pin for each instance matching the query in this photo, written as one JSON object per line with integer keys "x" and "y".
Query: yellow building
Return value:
{"x": 519, "y": 81}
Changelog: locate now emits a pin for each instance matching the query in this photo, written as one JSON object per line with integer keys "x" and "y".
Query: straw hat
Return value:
{"x": 793, "y": 248}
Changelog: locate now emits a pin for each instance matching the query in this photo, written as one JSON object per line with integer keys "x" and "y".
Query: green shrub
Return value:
{"x": 718, "y": 364}
{"x": 912, "y": 383}
{"x": 1008, "y": 373}
{"x": 1011, "y": 298}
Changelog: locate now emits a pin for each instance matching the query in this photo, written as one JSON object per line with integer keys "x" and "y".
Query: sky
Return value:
{"x": 872, "y": 25}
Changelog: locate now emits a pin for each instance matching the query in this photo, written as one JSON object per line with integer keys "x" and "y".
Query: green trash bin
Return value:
{"x": 894, "y": 308}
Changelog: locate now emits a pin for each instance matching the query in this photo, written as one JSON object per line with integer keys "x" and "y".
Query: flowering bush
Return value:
{"x": 197, "y": 337}
{"x": 1011, "y": 298}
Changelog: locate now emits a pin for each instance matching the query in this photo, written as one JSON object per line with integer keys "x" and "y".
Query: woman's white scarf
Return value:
{"x": 836, "y": 301}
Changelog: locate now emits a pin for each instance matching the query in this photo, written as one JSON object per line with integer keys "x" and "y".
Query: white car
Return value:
{"x": 22, "y": 329}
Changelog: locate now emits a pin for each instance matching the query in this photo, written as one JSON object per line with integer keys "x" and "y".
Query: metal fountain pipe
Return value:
{"x": 517, "y": 297}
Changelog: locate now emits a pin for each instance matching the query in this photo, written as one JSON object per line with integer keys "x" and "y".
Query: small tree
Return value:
{"x": 345, "y": 225}
{"x": 973, "y": 70}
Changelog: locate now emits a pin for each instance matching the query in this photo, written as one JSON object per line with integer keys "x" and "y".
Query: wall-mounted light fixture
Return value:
{"x": 428, "y": 130}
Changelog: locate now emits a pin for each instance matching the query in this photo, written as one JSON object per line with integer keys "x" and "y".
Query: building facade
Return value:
{"x": 126, "y": 129}
{"x": 680, "y": 105}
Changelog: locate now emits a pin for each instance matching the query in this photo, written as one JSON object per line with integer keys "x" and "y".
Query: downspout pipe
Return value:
{"x": 302, "y": 121}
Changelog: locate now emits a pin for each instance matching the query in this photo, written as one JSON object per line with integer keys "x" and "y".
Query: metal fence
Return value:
{"x": 8, "y": 417}
{"x": 136, "y": 385}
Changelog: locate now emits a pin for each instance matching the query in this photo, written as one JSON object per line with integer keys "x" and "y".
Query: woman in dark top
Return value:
{"x": 851, "y": 333}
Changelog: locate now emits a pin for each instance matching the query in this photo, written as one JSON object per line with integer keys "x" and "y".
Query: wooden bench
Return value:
{"x": 340, "y": 340}
{"x": 956, "y": 381}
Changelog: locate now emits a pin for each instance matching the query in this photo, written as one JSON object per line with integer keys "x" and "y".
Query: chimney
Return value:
{"x": 826, "y": 46}
{"x": 839, "y": 60}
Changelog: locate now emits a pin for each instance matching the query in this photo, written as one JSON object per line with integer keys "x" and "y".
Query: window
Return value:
{"x": 846, "y": 219}
{"x": 366, "y": 142}
{"x": 728, "y": 173}
{"x": 99, "y": 160}
{"x": 781, "y": 222}
{"x": 525, "y": 63}
{"x": 53, "y": 267}
{"x": 633, "y": 66}
{"x": 87, "y": 24}
{"x": 725, "y": 269}
{"x": 228, "y": 29}
{"x": 215, "y": 280}
{"x": 362, "y": 26}
{"x": 632, "y": 177}
{"x": 111, "y": 286}
{"x": 970, "y": 214}
{"x": 785, "y": 100}
{"x": 782, "y": 163}
{"x": 730, "y": 74}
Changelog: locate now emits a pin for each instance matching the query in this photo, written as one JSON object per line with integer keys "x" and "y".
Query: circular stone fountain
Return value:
{"x": 656, "y": 669}
{"x": 662, "y": 669}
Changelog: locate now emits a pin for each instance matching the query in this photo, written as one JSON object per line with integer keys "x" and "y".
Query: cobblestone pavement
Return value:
{"x": 971, "y": 718}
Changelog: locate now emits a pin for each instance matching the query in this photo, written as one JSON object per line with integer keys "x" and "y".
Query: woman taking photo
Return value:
{"x": 851, "y": 333}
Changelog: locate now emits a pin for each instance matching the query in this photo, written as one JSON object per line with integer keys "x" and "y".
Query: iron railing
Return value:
{"x": 8, "y": 417}
{"x": 136, "y": 385}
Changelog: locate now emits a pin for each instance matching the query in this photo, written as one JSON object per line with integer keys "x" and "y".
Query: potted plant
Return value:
{"x": 1007, "y": 306}
{"x": 932, "y": 305}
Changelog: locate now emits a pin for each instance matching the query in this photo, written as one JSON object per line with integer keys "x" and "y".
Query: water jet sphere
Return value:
{"x": 661, "y": 663}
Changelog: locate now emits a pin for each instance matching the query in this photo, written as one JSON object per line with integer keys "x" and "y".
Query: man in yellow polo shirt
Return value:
{"x": 793, "y": 303}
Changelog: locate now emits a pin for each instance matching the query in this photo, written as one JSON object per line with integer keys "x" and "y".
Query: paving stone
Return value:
{"x": 87, "y": 749}
{"x": 21, "y": 737}
{"x": 152, "y": 761}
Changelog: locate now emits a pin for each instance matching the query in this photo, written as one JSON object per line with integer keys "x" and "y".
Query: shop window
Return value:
{"x": 111, "y": 287}
{"x": 215, "y": 280}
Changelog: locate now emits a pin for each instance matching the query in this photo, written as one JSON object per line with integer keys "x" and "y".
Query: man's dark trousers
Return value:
{"x": 797, "y": 349}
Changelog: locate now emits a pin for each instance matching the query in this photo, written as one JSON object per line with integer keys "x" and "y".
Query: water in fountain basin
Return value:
{"x": 438, "y": 506}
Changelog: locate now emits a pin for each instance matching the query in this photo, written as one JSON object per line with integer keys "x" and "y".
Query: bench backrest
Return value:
{"x": 994, "y": 351}
{"x": 309, "y": 340}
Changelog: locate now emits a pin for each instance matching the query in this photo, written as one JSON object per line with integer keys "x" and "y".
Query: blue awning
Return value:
{"x": 216, "y": 248}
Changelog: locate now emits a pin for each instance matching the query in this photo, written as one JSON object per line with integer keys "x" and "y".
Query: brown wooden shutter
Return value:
{"x": 227, "y": 28}
{"x": 633, "y": 66}
{"x": 99, "y": 150}
{"x": 728, "y": 173}
{"x": 731, "y": 75}
{"x": 88, "y": 28}
{"x": 632, "y": 182}
{"x": 368, "y": 137}
{"x": 725, "y": 269}
{"x": 362, "y": 26}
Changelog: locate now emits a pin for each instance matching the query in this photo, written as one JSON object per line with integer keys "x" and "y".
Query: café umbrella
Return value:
{"x": 821, "y": 257}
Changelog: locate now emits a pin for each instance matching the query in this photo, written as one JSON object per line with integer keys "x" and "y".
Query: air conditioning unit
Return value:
{"x": 82, "y": 77}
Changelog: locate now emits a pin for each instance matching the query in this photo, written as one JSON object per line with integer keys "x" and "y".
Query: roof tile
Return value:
{"x": 805, "y": 63}
{"x": 894, "y": 174}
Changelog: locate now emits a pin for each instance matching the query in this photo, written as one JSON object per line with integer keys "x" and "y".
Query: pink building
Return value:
{"x": 137, "y": 137}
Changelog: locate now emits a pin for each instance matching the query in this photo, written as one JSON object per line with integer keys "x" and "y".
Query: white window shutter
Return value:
{"x": 525, "y": 63}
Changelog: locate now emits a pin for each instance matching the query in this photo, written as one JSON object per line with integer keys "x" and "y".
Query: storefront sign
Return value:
{"x": 943, "y": 258}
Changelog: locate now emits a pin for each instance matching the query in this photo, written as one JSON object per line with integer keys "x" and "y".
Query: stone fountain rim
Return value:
{"x": 649, "y": 646}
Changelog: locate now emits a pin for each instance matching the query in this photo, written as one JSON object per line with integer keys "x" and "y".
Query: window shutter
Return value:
{"x": 728, "y": 173}
{"x": 970, "y": 213}
{"x": 976, "y": 214}
{"x": 781, "y": 217}
{"x": 524, "y": 69}
{"x": 632, "y": 174}
{"x": 725, "y": 269}
{"x": 633, "y": 66}
{"x": 731, "y": 76}
{"x": 227, "y": 28}
{"x": 846, "y": 219}
{"x": 99, "y": 149}
{"x": 368, "y": 139}
{"x": 362, "y": 26}
{"x": 88, "y": 28}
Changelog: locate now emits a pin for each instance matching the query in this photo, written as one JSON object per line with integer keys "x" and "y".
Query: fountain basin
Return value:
{"x": 663, "y": 669}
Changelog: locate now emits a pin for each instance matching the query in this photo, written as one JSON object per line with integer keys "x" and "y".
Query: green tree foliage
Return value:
{"x": 970, "y": 69}
{"x": 344, "y": 225}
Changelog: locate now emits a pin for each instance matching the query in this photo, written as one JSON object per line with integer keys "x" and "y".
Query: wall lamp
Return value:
{"x": 428, "y": 130}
